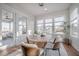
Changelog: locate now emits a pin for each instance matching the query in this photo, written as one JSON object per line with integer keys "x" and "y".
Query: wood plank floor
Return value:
{"x": 70, "y": 50}
{"x": 9, "y": 50}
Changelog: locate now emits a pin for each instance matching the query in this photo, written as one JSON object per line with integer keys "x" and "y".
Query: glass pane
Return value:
{"x": 40, "y": 30}
{"x": 59, "y": 19}
{"x": 74, "y": 28}
{"x": 75, "y": 21}
{"x": 49, "y": 24}
{"x": 59, "y": 23}
{"x": 19, "y": 33}
{"x": 24, "y": 26}
{"x": 39, "y": 25}
{"x": 39, "y": 21}
{"x": 74, "y": 13}
{"x": 48, "y": 20}
{"x": 59, "y": 29}
{"x": 24, "y": 23}
{"x": 75, "y": 25}
{"x": 59, "y": 33}
{"x": 20, "y": 27}
{"x": 5, "y": 26}
{"x": 20, "y": 22}
{"x": 11, "y": 27}
{"x": 48, "y": 30}
{"x": 75, "y": 33}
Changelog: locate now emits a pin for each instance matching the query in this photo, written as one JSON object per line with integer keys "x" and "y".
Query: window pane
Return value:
{"x": 75, "y": 33}
{"x": 59, "y": 29}
{"x": 39, "y": 25}
{"x": 48, "y": 20}
{"x": 19, "y": 33}
{"x": 59, "y": 24}
{"x": 40, "y": 30}
{"x": 49, "y": 24}
{"x": 59, "y": 19}
{"x": 20, "y": 22}
{"x": 5, "y": 26}
{"x": 48, "y": 30}
{"x": 59, "y": 33}
{"x": 39, "y": 21}
{"x": 75, "y": 25}
{"x": 75, "y": 21}
{"x": 11, "y": 26}
{"x": 24, "y": 23}
{"x": 74, "y": 13}
{"x": 74, "y": 28}
{"x": 20, "y": 27}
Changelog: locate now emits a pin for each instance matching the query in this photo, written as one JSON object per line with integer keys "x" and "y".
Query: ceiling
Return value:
{"x": 35, "y": 9}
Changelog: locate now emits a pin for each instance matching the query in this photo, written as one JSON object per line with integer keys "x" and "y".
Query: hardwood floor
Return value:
{"x": 9, "y": 50}
{"x": 70, "y": 50}
{"x": 12, "y": 49}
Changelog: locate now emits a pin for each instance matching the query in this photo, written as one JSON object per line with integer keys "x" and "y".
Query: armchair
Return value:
{"x": 31, "y": 50}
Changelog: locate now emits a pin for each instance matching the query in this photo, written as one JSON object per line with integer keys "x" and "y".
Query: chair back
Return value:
{"x": 27, "y": 39}
{"x": 30, "y": 51}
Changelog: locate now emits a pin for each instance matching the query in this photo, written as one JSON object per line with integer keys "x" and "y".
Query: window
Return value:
{"x": 21, "y": 28}
{"x": 40, "y": 26}
{"x": 48, "y": 26}
{"x": 59, "y": 29}
{"x": 5, "y": 26}
{"x": 74, "y": 23}
{"x": 39, "y": 21}
{"x": 48, "y": 30}
{"x": 59, "y": 19}
{"x": 48, "y": 20}
{"x": 59, "y": 25}
{"x": 74, "y": 14}
{"x": 7, "y": 29}
{"x": 44, "y": 26}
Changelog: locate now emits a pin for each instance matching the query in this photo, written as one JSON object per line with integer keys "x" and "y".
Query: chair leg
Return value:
{"x": 59, "y": 52}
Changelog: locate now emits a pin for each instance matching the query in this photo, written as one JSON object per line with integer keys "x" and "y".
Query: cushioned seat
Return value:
{"x": 41, "y": 44}
{"x": 31, "y": 50}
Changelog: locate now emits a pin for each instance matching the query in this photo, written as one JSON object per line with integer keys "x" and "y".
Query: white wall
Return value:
{"x": 74, "y": 40}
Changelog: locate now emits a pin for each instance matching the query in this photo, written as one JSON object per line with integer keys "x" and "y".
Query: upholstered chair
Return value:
{"x": 31, "y": 50}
